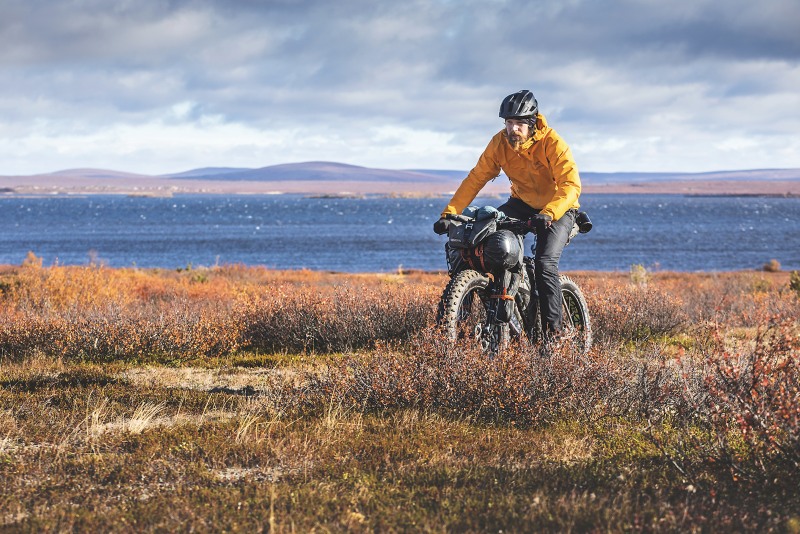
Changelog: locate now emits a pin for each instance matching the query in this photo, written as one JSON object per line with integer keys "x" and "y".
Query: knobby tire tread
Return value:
{"x": 568, "y": 286}
{"x": 453, "y": 295}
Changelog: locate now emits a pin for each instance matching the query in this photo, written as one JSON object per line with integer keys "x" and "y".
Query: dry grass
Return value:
{"x": 239, "y": 399}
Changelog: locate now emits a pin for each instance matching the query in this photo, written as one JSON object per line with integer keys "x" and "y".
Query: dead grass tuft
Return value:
{"x": 143, "y": 417}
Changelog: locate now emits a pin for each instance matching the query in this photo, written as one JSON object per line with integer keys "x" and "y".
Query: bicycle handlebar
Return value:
{"x": 518, "y": 226}
{"x": 522, "y": 227}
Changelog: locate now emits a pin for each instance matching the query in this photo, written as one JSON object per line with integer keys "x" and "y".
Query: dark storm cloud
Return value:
{"x": 302, "y": 47}
{"x": 643, "y": 66}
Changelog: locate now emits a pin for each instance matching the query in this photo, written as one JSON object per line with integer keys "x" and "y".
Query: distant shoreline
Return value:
{"x": 363, "y": 196}
{"x": 332, "y": 179}
{"x": 152, "y": 187}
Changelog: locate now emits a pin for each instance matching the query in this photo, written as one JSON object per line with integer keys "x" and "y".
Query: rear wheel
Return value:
{"x": 575, "y": 322}
{"x": 464, "y": 312}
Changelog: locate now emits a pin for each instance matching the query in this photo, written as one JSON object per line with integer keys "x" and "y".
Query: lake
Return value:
{"x": 668, "y": 232}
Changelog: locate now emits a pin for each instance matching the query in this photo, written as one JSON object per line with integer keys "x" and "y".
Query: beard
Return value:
{"x": 516, "y": 141}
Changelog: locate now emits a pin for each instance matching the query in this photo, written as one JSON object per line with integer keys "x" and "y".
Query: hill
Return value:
{"x": 323, "y": 177}
{"x": 316, "y": 171}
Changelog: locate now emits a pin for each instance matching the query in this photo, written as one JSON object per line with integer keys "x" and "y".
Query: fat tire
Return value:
{"x": 575, "y": 320}
{"x": 456, "y": 320}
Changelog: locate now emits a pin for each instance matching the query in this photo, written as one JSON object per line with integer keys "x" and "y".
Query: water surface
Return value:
{"x": 670, "y": 232}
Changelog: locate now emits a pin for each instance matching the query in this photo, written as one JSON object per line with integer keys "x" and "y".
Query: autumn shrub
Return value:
{"x": 753, "y": 403}
{"x": 639, "y": 275}
{"x": 794, "y": 283}
{"x": 25, "y": 334}
{"x": 178, "y": 331}
{"x": 518, "y": 386}
{"x": 736, "y": 299}
{"x": 59, "y": 288}
{"x": 739, "y": 414}
{"x": 634, "y": 313}
{"x": 101, "y": 314}
{"x": 772, "y": 266}
{"x": 309, "y": 318}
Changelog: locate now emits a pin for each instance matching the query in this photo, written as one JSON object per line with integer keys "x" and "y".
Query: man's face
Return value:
{"x": 517, "y": 131}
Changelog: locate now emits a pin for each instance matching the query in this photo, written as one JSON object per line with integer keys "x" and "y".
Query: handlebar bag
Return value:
{"x": 469, "y": 234}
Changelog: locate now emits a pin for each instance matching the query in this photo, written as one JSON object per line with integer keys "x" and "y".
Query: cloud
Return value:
{"x": 162, "y": 85}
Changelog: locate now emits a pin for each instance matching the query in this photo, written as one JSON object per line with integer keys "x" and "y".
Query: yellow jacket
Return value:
{"x": 542, "y": 174}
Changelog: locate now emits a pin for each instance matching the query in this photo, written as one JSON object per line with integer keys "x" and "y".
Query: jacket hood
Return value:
{"x": 541, "y": 127}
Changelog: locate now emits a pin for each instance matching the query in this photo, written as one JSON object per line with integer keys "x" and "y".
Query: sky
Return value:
{"x": 161, "y": 86}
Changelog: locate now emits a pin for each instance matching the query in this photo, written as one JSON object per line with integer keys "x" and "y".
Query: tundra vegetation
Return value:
{"x": 239, "y": 398}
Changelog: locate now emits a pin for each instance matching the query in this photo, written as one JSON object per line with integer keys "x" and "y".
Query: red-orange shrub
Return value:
{"x": 517, "y": 386}
{"x": 754, "y": 400}
{"x": 310, "y": 318}
{"x": 174, "y": 332}
{"x": 634, "y": 313}
{"x": 101, "y": 314}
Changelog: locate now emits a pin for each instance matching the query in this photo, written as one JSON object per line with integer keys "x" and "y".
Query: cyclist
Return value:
{"x": 545, "y": 187}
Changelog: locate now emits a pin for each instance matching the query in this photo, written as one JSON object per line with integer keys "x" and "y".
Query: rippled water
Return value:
{"x": 671, "y": 232}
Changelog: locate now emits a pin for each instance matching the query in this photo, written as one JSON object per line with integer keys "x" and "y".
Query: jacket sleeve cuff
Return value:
{"x": 450, "y": 210}
{"x": 551, "y": 213}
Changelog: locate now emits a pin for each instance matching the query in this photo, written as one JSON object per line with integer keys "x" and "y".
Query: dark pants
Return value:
{"x": 549, "y": 247}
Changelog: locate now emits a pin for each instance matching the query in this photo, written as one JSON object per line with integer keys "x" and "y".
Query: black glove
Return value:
{"x": 441, "y": 226}
{"x": 540, "y": 222}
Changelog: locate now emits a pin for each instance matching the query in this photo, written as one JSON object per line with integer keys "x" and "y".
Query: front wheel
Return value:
{"x": 464, "y": 312}
{"x": 575, "y": 321}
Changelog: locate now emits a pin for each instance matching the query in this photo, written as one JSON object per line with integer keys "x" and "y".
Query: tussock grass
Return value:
{"x": 143, "y": 417}
{"x": 246, "y": 399}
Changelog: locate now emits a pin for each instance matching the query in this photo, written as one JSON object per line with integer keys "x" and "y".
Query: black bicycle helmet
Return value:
{"x": 520, "y": 105}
